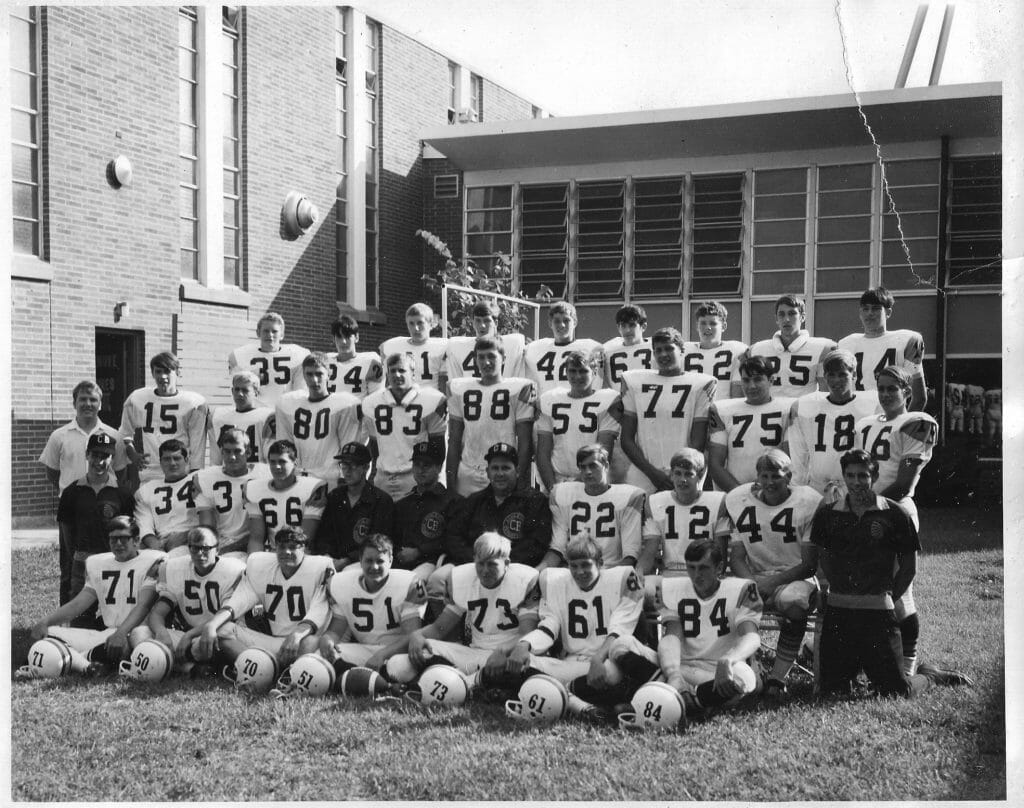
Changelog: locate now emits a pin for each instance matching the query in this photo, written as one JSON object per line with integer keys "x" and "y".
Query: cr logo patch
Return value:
{"x": 512, "y": 526}
{"x": 432, "y": 525}
{"x": 361, "y": 528}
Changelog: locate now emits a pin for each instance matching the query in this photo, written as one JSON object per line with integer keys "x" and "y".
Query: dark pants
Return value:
{"x": 89, "y": 618}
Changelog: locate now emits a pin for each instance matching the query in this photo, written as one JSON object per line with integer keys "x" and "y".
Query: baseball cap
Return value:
{"x": 426, "y": 450}
{"x": 101, "y": 442}
{"x": 355, "y": 453}
{"x": 506, "y": 450}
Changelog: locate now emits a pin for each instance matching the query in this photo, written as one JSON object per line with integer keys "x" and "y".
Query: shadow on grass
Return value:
{"x": 986, "y": 774}
{"x": 960, "y": 530}
{"x": 21, "y": 641}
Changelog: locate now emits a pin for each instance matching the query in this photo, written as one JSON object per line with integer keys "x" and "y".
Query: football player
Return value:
{"x": 218, "y": 492}
{"x": 248, "y": 414}
{"x": 824, "y": 425}
{"x": 317, "y": 422}
{"x": 771, "y": 521}
{"x": 663, "y": 411}
{"x": 165, "y": 509}
{"x": 277, "y": 364}
{"x": 742, "y": 428}
{"x": 545, "y": 358}
{"x": 351, "y": 371}
{"x": 612, "y": 515}
{"x": 483, "y": 411}
{"x": 460, "y": 357}
{"x": 194, "y": 587}
{"x": 374, "y": 610}
{"x": 291, "y": 588}
{"x": 283, "y": 500}
{"x": 122, "y": 583}
{"x": 427, "y": 352}
{"x": 397, "y": 417}
{"x": 631, "y": 350}
{"x": 796, "y": 357}
{"x": 572, "y": 418}
{"x": 712, "y": 354}
{"x": 878, "y": 347}
{"x": 163, "y": 413}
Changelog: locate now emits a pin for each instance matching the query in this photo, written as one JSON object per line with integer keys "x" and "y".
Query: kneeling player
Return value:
{"x": 122, "y": 583}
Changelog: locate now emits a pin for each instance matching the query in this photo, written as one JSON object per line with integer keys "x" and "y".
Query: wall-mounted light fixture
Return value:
{"x": 121, "y": 171}
{"x": 299, "y": 214}
{"x": 121, "y": 310}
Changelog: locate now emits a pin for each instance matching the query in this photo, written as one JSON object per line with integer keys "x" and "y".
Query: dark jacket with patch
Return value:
{"x": 524, "y": 518}
{"x": 422, "y": 521}
{"x": 344, "y": 527}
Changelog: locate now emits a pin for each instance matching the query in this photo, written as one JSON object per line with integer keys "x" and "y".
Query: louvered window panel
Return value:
{"x": 446, "y": 186}
{"x": 544, "y": 238}
{"x": 599, "y": 240}
{"x": 843, "y": 248}
{"x": 657, "y": 237}
{"x": 780, "y": 230}
{"x": 975, "y": 241}
{"x": 717, "y": 234}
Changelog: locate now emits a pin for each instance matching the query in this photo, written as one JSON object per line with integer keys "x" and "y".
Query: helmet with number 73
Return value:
{"x": 254, "y": 670}
{"x": 542, "y": 698}
{"x": 656, "y": 705}
{"x": 309, "y": 675}
{"x": 443, "y": 684}
{"x": 150, "y": 661}
{"x": 48, "y": 658}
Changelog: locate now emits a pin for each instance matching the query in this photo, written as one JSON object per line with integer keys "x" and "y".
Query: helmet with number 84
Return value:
{"x": 542, "y": 698}
{"x": 656, "y": 705}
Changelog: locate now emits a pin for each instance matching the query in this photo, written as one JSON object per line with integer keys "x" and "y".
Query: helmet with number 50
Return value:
{"x": 150, "y": 661}
{"x": 442, "y": 684}
{"x": 48, "y": 658}
{"x": 309, "y": 675}
{"x": 542, "y": 698}
{"x": 254, "y": 670}
{"x": 656, "y": 705}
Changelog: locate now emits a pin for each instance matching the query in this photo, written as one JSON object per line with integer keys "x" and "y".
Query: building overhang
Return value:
{"x": 791, "y": 124}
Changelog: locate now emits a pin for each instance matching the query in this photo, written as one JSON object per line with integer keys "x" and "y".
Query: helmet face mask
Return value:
{"x": 254, "y": 670}
{"x": 150, "y": 661}
{"x": 48, "y": 658}
{"x": 657, "y": 706}
{"x": 542, "y": 699}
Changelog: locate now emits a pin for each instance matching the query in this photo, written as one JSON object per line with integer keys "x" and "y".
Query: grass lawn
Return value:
{"x": 76, "y": 740}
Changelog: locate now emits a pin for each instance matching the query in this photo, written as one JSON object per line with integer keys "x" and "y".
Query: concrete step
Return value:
{"x": 23, "y": 539}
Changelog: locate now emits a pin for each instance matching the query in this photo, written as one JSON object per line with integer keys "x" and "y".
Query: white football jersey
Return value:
{"x": 117, "y": 584}
{"x": 722, "y": 362}
{"x": 489, "y": 413}
{"x": 912, "y": 434}
{"x": 286, "y": 601}
{"x": 197, "y": 596}
{"x": 665, "y": 408}
{"x": 574, "y": 423}
{"x": 375, "y": 618}
{"x": 747, "y": 431}
{"x": 584, "y": 620}
{"x": 493, "y": 615}
{"x": 398, "y": 426}
{"x": 902, "y": 348}
{"x": 710, "y": 625}
{"x": 305, "y": 499}
{"x": 772, "y": 534}
{"x": 461, "y": 361}
{"x": 318, "y": 429}
{"x": 545, "y": 362}
{"x": 821, "y": 432}
{"x": 278, "y": 372}
{"x": 257, "y": 423}
{"x": 162, "y": 508}
{"x": 215, "y": 490}
{"x": 182, "y": 416}
{"x": 428, "y": 357}
{"x": 359, "y": 375}
{"x": 677, "y": 524}
{"x": 619, "y": 358}
{"x": 798, "y": 367}
{"x": 613, "y": 518}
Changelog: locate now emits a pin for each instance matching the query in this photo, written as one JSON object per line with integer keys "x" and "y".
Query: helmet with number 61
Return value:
{"x": 48, "y": 658}
{"x": 309, "y": 675}
{"x": 656, "y": 705}
{"x": 542, "y": 698}
{"x": 442, "y": 684}
{"x": 254, "y": 670}
{"x": 150, "y": 661}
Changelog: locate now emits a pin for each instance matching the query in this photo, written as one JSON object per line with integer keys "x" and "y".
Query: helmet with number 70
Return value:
{"x": 254, "y": 670}
{"x": 150, "y": 661}
{"x": 309, "y": 675}
{"x": 656, "y": 705}
{"x": 48, "y": 658}
{"x": 443, "y": 684}
{"x": 542, "y": 698}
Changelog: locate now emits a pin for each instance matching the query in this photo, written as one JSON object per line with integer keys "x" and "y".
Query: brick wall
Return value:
{"x": 500, "y": 104}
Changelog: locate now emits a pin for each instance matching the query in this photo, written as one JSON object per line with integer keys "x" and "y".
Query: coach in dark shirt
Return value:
{"x": 423, "y": 517}
{"x": 522, "y": 516}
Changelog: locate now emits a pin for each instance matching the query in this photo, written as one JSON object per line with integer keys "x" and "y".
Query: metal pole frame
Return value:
{"x": 497, "y": 296}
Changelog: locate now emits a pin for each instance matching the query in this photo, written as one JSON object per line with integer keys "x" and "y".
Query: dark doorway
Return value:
{"x": 120, "y": 368}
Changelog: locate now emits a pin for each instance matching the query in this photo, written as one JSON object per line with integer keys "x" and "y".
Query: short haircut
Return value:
{"x": 316, "y": 359}
{"x": 233, "y": 434}
{"x": 757, "y": 366}
{"x": 582, "y": 547}
{"x": 858, "y": 457}
{"x": 379, "y": 542}
{"x": 593, "y": 450}
{"x": 289, "y": 533}
{"x": 399, "y": 357}
{"x": 485, "y": 308}
{"x": 200, "y": 533}
{"x": 583, "y": 359}
{"x": 841, "y": 357}
{"x": 246, "y": 376}
{"x": 562, "y": 307}
{"x": 346, "y": 324}
{"x": 631, "y": 313}
{"x": 699, "y": 549}
{"x": 270, "y": 317}
{"x": 173, "y": 445}
{"x": 688, "y": 458}
{"x": 122, "y": 523}
{"x": 669, "y": 334}
{"x": 491, "y": 545}
{"x": 283, "y": 447}
{"x": 794, "y": 301}
{"x": 422, "y": 309}
{"x": 774, "y": 459}
{"x": 488, "y": 344}
{"x": 898, "y": 375}
{"x": 165, "y": 360}
{"x": 878, "y": 296}
{"x": 87, "y": 387}
{"x": 712, "y": 308}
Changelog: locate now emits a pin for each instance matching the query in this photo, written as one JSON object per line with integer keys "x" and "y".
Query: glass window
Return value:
{"x": 341, "y": 47}
{"x": 373, "y": 54}
{"x": 975, "y": 242}
{"x": 488, "y": 224}
{"x": 910, "y": 217}
{"x": 26, "y": 174}
{"x": 599, "y": 240}
{"x": 232, "y": 148}
{"x": 780, "y": 231}
{"x": 843, "y": 248}
{"x": 453, "y": 92}
{"x": 544, "y": 238}
{"x": 188, "y": 141}
{"x": 717, "y": 234}
{"x": 657, "y": 236}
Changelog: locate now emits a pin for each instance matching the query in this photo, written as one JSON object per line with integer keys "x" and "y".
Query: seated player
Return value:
{"x": 483, "y": 411}
{"x": 290, "y": 587}
{"x": 794, "y": 354}
{"x": 374, "y": 610}
{"x": 771, "y": 522}
{"x": 571, "y": 418}
{"x": 612, "y": 515}
{"x": 460, "y": 356}
{"x": 164, "y": 509}
{"x": 631, "y": 350}
{"x": 489, "y": 596}
{"x": 352, "y": 371}
{"x": 162, "y": 413}
{"x": 319, "y": 423}
{"x": 712, "y": 354}
{"x": 397, "y": 417}
{"x": 282, "y": 500}
{"x": 193, "y": 587}
{"x": 427, "y": 352}
{"x": 248, "y": 414}
{"x": 122, "y": 583}
{"x": 545, "y": 357}
{"x": 277, "y": 364}
{"x": 879, "y": 347}
{"x": 219, "y": 492}
{"x": 743, "y": 428}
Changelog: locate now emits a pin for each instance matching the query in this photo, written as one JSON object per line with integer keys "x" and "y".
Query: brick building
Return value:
{"x": 220, "y": 113}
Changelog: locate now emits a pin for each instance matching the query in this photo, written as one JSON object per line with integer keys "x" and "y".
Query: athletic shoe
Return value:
{"x": 774, "y": 691}
{"x": 944, "y": 677}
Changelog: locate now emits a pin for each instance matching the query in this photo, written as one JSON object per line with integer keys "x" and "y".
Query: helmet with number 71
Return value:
{"x": 254, "y": 670}
{"x": 443, "y": 684}
{"x": 48, "y": 658}
{"x": 656, "y": 705}
{"x": 150, "y": 661}
{"x": 542, "y": 698}
{"x": 309, "y": 675}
